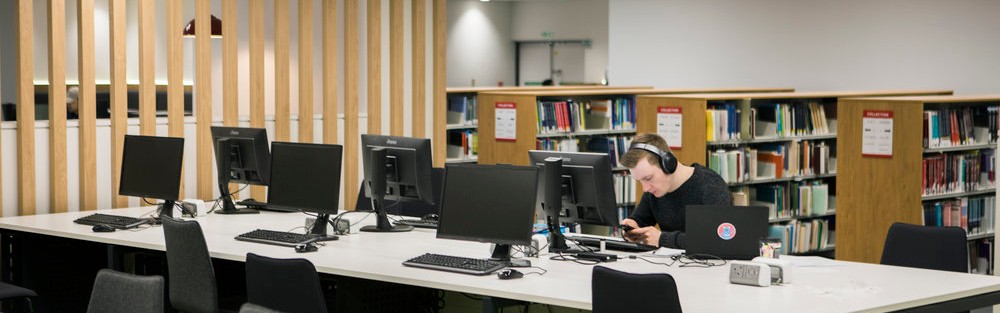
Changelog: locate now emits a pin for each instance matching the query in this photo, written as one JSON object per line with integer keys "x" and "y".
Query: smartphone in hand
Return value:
{"x": 626, "y": 228}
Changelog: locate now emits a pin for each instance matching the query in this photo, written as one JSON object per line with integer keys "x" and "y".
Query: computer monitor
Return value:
{"x": 489, "y": 203}
{"x": 398, "y": 169}
{"x": 241, "y": 155}
{"x": 412, "y": 209}
{"x": 151, "y": 168}
{"x": 575, "y": 187}
{"x": 306, "y": 177}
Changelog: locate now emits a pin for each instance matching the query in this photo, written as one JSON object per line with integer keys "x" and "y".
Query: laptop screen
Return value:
{"x": 728, "y": 232}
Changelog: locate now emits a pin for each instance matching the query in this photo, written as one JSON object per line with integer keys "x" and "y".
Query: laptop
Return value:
{"x": 728, "y": 232}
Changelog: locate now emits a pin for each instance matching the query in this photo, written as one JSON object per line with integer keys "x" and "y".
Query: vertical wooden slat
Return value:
{"x": 58, "y": 196}
{"x": 440, "y": 103}
{"x": 256, "y": 11}
{"x": 305, "y": 71}
{"x": 374, "y": 85}
{"x": 282, "y": 81}
{"x": 418, "y": 9}
{"x": 147, "y": 68}
{"x": 330, "y": 107}
{"x": 395, "y": 67}
{"x": 25, "y": 109}
{"x": 230, "y": 64}
{"x": 175, "y": 73}
{"x": 203, "y": 81}
{"x": 351, "y": 101}
{"x": 87, "y": 106}
{"x": 119, "y": 98}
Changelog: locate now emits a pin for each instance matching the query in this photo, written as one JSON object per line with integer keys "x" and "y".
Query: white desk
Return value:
{"x": 835, "y": 286}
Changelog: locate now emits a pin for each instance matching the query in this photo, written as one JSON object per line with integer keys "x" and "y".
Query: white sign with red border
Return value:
{"x": 506, "y": 121}
{"x": 668, "y": 125}
{"x": 876, "y": 134}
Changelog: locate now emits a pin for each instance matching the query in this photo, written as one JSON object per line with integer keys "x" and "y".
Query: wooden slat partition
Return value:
{"x": 256, "y": 10}
{"x": 418, "y": 14}
{"x": 305, "y": 71}
{"x": 175, "y": 74}
{"x": 147, "y": 68}
{"x": 119, "y": 100}
{"x": 87, "y": 106}
{"x": 440, "y": 102}
{"x": 282, "y": 81}
{"x": 374, "y": 85}
{"x": 330, "y": 107}
{"x": 230, "y": 64}
{"x": 58, "y": 196}
{"x": 395, "y": 67}
{"x": 25, "y": 109}
{"x": 203, "y": 87}
{"x": 351, "y": 102}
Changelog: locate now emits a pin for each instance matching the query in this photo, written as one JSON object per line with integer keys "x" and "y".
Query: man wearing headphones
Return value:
{"x": 668, "y": 187}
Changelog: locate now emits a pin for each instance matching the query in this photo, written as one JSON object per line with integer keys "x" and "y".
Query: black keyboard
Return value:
{"x": 281, "y": 238}
{"x": 418, "y": 223}
{"x": 612, "y": 244}
{"x": 455, "y": 264}
{"x": 116, "y": 221}
{"x": 253, "y": 204}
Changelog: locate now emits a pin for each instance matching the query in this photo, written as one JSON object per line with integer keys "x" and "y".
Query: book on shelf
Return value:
{"x": 463, "y": 144}
{"x": 981, "y": 256}
{"x": 958, "y": 172}
{"x": 567, "y": 116}
{"x": 950, "y": 127}
{"x": 803, "y": 236}
{"x": 974, "y": 214}
{"x": 462, "y": 110}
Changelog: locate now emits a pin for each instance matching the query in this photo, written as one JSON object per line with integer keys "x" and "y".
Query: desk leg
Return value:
{"x": 493, "y": 304}
{"x": 114, "y": 258}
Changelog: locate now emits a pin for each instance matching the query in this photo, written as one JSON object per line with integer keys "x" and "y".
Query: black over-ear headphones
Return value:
{"x": 667, "y": 161}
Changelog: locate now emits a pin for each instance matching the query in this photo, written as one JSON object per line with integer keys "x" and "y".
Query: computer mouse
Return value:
{"x": 509, "y": 274}
{"x": 103, "y": 228}
{"x": 430, "y": 217}
{"x": 306, "y": 248}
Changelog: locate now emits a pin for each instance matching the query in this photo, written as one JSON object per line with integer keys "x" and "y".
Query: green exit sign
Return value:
{"x": 546, "y": 34}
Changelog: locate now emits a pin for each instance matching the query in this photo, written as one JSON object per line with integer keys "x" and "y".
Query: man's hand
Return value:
{"x": 645, "y": 235}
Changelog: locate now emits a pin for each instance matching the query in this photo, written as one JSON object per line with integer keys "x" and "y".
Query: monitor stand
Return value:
{"x": 228, "y": 207}
{"x": 319, "y": 228}
{"x": 165, "y": 209}
{"x": 377, "y": 187}
{"x": 501, "y": 253}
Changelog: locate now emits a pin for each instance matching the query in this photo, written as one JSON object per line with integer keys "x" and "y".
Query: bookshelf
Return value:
{"x": 906, "y": 182}
{"x": 462, "y": 121}
{"x": 789, "y": 166}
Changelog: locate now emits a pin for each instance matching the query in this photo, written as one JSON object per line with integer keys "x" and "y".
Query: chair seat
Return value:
{"x": 11, "y": 291}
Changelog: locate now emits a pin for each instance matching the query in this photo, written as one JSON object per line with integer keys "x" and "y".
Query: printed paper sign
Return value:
{"x": 506, "y": 121}
{"x": 668, "y": 125}
{"x": 876, "y": 134}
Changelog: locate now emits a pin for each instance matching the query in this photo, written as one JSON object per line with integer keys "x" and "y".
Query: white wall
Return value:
{"x": 808, "y": 45}
{"x": 566, "y": 20}
{"x": 479, "y": 43}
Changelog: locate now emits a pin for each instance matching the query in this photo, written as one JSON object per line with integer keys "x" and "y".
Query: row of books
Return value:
{"x": 788, "y": 201}
{"x": 804, "y": 236}
{"x": 740, "y": 120}
{"x": 975, "y": 215}
{"x": 981, "y": 256}
{"x": 773, "y": 161}
{"x": 614, "y": 146}
{"x": 462, "y": 110}
{"x": 964, "y": 126}
{"x": 958, "y": 172}
{"x": 571, "y": 116}
{"x": 624, "y": 189}
{"x": 463, "y": 144}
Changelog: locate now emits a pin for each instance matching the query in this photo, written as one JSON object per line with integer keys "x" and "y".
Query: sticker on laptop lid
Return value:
{"x": 726, "y": 231}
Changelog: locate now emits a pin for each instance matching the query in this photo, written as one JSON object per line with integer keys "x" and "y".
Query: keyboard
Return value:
{"x": 418, "y": 223}
{"x": 455, "y": 264}
{"x": 116, "y": 221}
{"x": 281, "y": 238}
{"x": 253, "y": 204}
{"x": 612, "y": 244}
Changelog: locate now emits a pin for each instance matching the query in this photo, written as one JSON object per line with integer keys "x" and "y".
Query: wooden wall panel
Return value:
{"x": 119, "y": 100}
{"x": 440, "y": 102}
{"x": 230, "y": 63}
{"x": 58, "y": 196}
{"x": 87, "y": 106}
{"x": 418, "y": 29}
{"x": 25, "y": 109}
{"x": 305, "y": 71}
{"x": 256, "y": 10}
{"x": 147, "y": 67}
{"x": 395, "y": 67}
{"x": 351, "y": 102}
{"x": 374, "y": 84}
{"x": 203, "y": 87}
{"x": 175, "y": 74}
{"x": 330, "y": 104}
{"x": 282, "y": 81}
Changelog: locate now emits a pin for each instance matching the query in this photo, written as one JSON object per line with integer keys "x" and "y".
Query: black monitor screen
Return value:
{"x": 488, "y": 203}
{"x": 151, "y": 167}
{"x": 407, "y": 167}
{"x": 245, "y": 150}
{"x": 305, "y": 176}
{"x": 588, "y": 194}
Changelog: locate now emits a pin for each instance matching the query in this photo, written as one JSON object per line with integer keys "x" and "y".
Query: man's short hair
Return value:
{"x": 631, "y": 157}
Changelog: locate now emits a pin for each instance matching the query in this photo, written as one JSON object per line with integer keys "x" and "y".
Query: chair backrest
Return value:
{"x": 289, "y": 285}
{"x": 189, "y": 268}
{"x": 116, "y": 292}
{"x": 929, "y": 247}
{"x": 253, "y": 308}
{"x": 617, "y": 291}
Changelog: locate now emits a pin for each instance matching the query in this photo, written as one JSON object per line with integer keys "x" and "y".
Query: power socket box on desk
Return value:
{"x": 750, "y": 273}
{"x": 343, "y": 226}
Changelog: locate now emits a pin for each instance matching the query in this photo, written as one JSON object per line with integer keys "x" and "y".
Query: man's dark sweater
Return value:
{"x": 703, "y": 187}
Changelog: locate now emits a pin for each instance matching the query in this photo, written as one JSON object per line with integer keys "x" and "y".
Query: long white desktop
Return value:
{"x": 820, "y": 285}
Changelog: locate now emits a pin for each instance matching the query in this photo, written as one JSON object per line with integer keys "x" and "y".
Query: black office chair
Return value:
{"x": 928, "y": 247}
{"x": 288, "y": 285}
{"x": 116, "y": 292}
{"x": 617, "y": 291}
{"x": 189, "y": 268}
{"x": 8, "y": 291}
{"x": 253, "y": 308}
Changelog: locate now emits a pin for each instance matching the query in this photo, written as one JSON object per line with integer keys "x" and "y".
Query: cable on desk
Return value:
{"x": 699, "y": 260}
{"x": 217, "y": 200}
{"x": 542, "y": 273}
{"x": 563, "y": 257}
{"x": 657, "y": 263}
